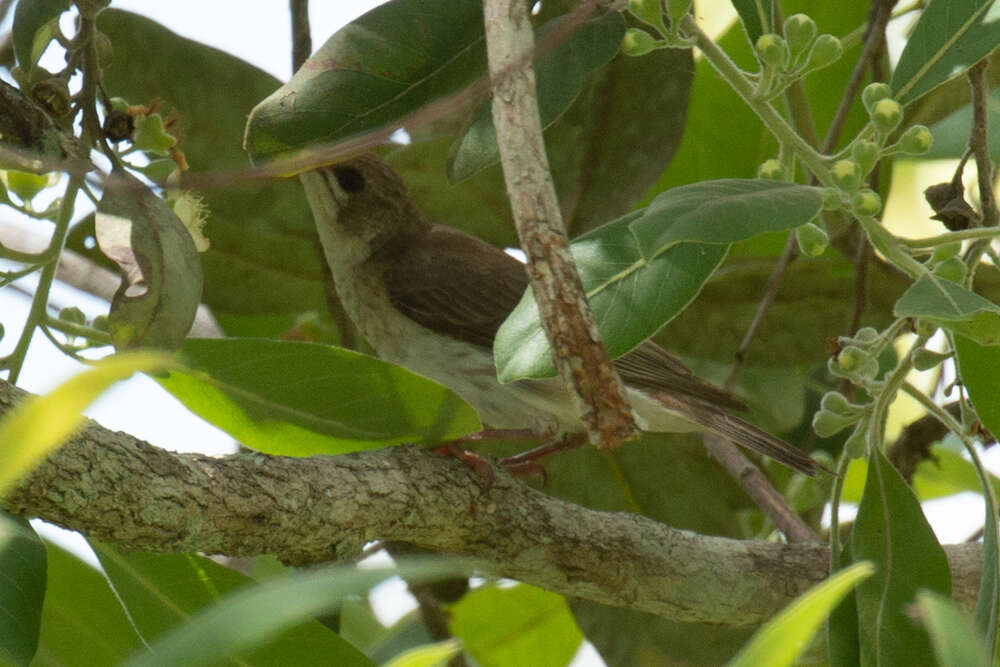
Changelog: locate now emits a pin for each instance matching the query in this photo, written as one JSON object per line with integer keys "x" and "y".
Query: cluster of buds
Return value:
{"x": 638, "y": 42}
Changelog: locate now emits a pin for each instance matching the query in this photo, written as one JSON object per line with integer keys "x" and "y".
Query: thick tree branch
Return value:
{"x": 122, "y": 490}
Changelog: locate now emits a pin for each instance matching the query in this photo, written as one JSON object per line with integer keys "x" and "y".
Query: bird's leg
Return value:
{"x": 526, "y": 463}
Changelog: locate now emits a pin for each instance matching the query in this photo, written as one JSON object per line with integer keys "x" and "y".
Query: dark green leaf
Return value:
{"x": 253, "y": 614}
{"x": 372, "y": 73}
{"x": 949, "y": 38}
{"x": 842, "y": 636}
{"x": 952, "y": 306}
{"x": 162, "y": 592}
{"x": 951, "y": 134}
{"x": 161, "y": 273}
{"x": 955, "y": 643}
{"x": 723, "y": 211}
{"x": 631, "y": 298}
{"x": 559, "y": 76}
{"x": 33, "y": 28}
{"x": 82, "y": 610}
{"x": 522, "y": 625}
{"x": 757, "y": 17}
{"x": 22, "y": 589}
{"x": 892, "y": 532}
{"x": 291, "y": 398}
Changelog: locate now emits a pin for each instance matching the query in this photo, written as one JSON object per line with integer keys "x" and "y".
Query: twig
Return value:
{"x": 979, "y": 144}
{"x": 301, "y": 35}
{"x": 579, "y": 353}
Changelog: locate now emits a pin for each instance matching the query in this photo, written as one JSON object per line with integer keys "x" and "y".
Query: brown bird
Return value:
{"x": 431, "y": 298}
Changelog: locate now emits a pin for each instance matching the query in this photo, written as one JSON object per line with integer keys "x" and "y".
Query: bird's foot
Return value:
{"x": 520, "y": 465}
{"x": 527, "y": 462}
{"x": 477, "y": 463}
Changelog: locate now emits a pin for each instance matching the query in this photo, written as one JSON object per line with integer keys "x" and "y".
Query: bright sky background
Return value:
{"x": 259, "y": 32}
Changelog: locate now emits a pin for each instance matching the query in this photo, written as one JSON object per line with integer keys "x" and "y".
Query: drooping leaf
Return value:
{"x": 757, "y": 17}
{"x": 161, "y": 272}
{"x": 250, "y": 615}
{"x": 559, "y": 76}
{"x": 515, "y": 626}
{"x": 40, "y": 424}
{"x": 891, "y": 531}
{"x": 81, "y": 610}
{"x": 33, "y": 28}
{"x": 955, "y": 643}
{"x": 723, "y": 211}
{"x": 951, "y": 306}
{"x": 631, "y": 298}
{"x": 162, "y": 592}
{"x": 782, "y": 640}
{"x": 22, "y": 588}
{"x": 291, "y": 398}
{"x": 949, "y": 38}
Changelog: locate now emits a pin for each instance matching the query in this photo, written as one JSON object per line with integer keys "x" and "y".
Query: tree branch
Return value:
{"x": 122, "y": 490}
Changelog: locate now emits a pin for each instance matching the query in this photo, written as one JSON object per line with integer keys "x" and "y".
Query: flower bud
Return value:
{"x": 637, "y": 42}
{"x": 953, "y": 269}
{"x": 771, "y": 170}
{"x": 813, "y": 239}
{"x": 772, "y": 51}
{"x": 832, "y": 199}
{"x": 846, "y": 174}
{"x": 866, "y": 335}
{"x": 866, "y": 202}
{"x": 874, "y": 92}
{"x": 73, "y": 315}
{"x": 916, "y": 140}
{"x": 800, "y": 31}
{"x": 837, "y": 403}
{"x": 946, "y": 251}
{"x": 826, "y": 50}
{"x": 886, "y": 115}
{"x": 866, "y": 154}
{"x": 827, "y": 423}
{"x": 100, "y": 323}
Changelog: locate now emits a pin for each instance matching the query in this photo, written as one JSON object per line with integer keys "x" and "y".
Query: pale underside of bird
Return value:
{"x": 431, "y": 298}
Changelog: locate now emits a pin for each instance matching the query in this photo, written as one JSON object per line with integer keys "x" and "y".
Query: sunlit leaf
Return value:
{"x": 432, "y": 655}
{"x": 951, "y": 306}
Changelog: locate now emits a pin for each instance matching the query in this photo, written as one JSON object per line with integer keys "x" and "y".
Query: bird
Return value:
{"x": 431, "y": 298}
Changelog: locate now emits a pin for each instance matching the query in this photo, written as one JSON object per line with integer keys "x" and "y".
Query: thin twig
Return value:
{"x": 979, "y": 144}
{"x": 301, "y": 35}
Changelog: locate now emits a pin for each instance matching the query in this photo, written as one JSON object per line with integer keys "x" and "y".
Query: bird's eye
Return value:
{"x": 350, "y": 179}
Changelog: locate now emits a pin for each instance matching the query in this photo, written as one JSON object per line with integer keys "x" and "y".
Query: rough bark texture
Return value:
{"x": 122, "y": 490}
{"x": 580, "y": 356}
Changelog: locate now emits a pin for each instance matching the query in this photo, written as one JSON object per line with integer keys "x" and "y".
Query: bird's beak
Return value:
{"x": 323, "y": 192}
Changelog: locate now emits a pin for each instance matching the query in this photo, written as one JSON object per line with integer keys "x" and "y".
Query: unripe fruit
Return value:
{"x": 866, "y": 154}
{"x": 812, "y": 239}
{"x": 772, "y": 51}
{"x": 637, "y": 42}
{"x": 874, "y": 92}
{"x": 846, "y": 174}
{"x": 800, "y": 31}
{"x": 866, "y": 202}
{"x": 826, "y": 50}
{"x": 953, "y": 269}
{"x": 771, "y": 170}
{"x": 916, "y": 140}
{"x": 886, "y": 115}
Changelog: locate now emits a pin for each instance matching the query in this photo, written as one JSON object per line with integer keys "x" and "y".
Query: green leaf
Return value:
{"x": 165, "y": 592}
{"x": 161, "y": 273}
{"x": 22, "y": 589}
{"x": 631, "y": 298}
{"x": 951, "y": 133}
{"x": 559, "y": 76}
{"x": 949, "y": 38}
{"x": 40, "y": 424}
{"x": 757, "y": 17}
{"x": 723, "y": 211}
{"x": 783, "y": 639}
{"x": 251, "y": 615}
{"x": 33, "y": 28}
{"x": 955, "y": 644}
{"x": 290, "y": 398}
{"x": 431, "y": 655}
{"x": 372, "y": 73}
{"x": 891, "y": 531}
{"x": 522, "y": 625}
{"x": 81, "y": 610}
{"x": 951, "y": 306}
{"x": 980, "y": 366}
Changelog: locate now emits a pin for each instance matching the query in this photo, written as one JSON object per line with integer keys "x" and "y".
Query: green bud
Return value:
{"x": 946, "y": 251}
{"x": 851, "y": 357}
{"x": 866, "y": 202}
{"x": 925, "y": 328}
{"x": 866, "y": 154}
{"x": 100, "y": 323}
{"x": 916, "y": 140}
{"x": 866, "y": 335}
{"x": 151, "y": 136}
{"x": 924, "y": 359}
{"x": 832, "y": 199}
{"x": 800, "y": 31}
{"x": 856, "y": 444}
{"x": 26, "y": 185}
{"x": 813, "y": 239}
{"x": 827, "y": 423}
{"x": 637, "y": 42}
{"x": 676, "y": 9}
{"x": 953, "y": 269}
{"x": 771, "y": 170}
{"x": 772, "y": 50}
{"x": 846, "y": 174}
{"x": 886, "y": 115}
{"x": 119, "y": 104}
{"x": 73, "y": 315}
{"x": 826, "y": 50}
{"x": 837, "y": 403}
{"x": 874, "y": 92}
{"x": 647, "y": 11}
{"x": 854, "y": 363}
